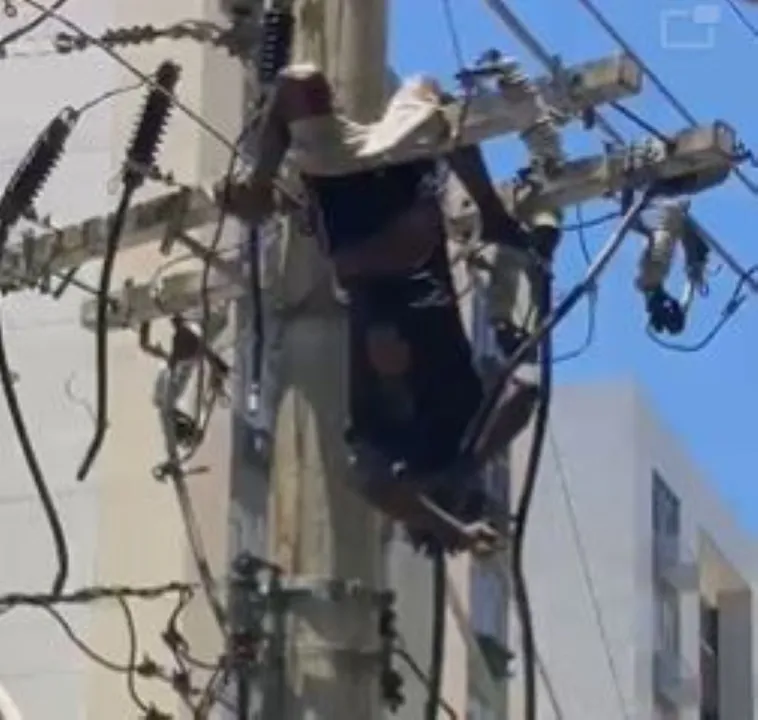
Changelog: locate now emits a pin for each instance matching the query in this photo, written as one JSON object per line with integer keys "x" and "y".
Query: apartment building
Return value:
{"x": 643, "y": 585}
{"x": 123, "y": 526}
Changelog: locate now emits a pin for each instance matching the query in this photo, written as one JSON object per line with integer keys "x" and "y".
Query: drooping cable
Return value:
{"x": 439, "y": 612}
{"x": 587, "y": 573}
{"x": 277, "y": 33}
{"x": 743, "y": 18}
{"x": 733, "y": 304}
{"x": 480, "y": 425}
{"x": 523, "y": 506}
{"x": 173, "y": 470}
{"x": 580, "y": 227}
{"x": 592, "y": 8}
{"x": 20, "y": 193}
{"x": 146, "y": 79}
{"x": 140, "y": 155}
{"x": 31, "y": 26}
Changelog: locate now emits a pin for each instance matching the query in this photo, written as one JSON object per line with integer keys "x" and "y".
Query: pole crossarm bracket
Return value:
{"x": 706, "y": 151}
{"x": 173, "y": 295}
{"x": 164, "y": 218}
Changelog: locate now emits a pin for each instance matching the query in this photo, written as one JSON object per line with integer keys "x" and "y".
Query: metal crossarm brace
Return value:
{"x": 487, "y": 114}
{"x": 165, "y": 217}
{"x": 175, "y": 294}
{"x": 701, "y": 150}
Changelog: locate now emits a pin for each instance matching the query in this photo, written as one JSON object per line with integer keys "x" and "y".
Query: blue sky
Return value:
{"x": 710, "y": 398}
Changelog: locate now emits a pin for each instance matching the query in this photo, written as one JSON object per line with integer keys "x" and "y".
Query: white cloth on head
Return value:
{"x": 336, "y": 145}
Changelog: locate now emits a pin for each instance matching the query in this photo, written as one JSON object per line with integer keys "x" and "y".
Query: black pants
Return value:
{"x": 419, "y": 417}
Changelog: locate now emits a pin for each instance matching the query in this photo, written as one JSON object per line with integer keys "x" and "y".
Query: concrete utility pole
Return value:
{"x": 318, "y": 527}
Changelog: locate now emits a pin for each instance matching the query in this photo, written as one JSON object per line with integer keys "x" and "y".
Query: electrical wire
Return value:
{"x": 35, "y": 470}
{"x": 23, "y": 187}
{"x": 422, "y": 677}
{"x": 733, "y": 304}
{"x": 218, "y": 233}
{"x": 453, "y": 33}
{"x": 655, "y": 79}
{"x": 742, "y": 17}
{"x": 502, "y": 572}
{"x": 592, "y": 295}
{"x": 174, "y": 471}
{"x": 439, "y": 613}
{"x": 140, "y": 154}
{"x": 101, "y": 335}
{"x": 132, "y": 669}
{"x": 480, "y": 425}
{"x": 587, "y": 573}
{"x": 144, "y": 78}
{"x": 45, "y": 14}
{"x": 109, "y": 95}
{"x": 592, "y": 223}
{"x": 523, "y": 506}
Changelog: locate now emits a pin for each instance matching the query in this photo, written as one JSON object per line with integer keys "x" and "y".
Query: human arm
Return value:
{"x": 498, "y": 225}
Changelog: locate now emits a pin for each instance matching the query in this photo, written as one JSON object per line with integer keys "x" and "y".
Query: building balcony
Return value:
{"x": 674, "y": 682}
{"x": 674, "y": 565}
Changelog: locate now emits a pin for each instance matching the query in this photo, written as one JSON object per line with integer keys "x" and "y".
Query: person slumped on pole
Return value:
{"x": 414, "y": 386}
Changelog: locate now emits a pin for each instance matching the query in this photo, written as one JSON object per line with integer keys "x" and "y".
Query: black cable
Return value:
{"x": 415, "y": 668}
{"x": 592, "y": 223}
{"x": 140, "y": 156}
{"x": 439, "y": 612}
{"x": 580, "y": 227}
{"x": 275, "y": 50}
{"x": 131, "y": 662}
{"x": 32, "y": 463}
{"x": 30, "y": 26}
{"x": 521, "y": 517}
{"x": 731, "y": 307}
{"x": 101, "y": 335}
{"x": 205, "y": 308}
{"x": 737, "y": 10}
{"x": 643, "y": 124}
{"x": 593, "y": 9}
{"x": 19, "y": 194}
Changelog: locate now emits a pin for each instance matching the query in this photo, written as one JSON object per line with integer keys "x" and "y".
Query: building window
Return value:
{"x": 666, "y": 509}
{"x": 666, "y": 521}
{"x": 667, "y": 621}
{"x": 709, "y": 661}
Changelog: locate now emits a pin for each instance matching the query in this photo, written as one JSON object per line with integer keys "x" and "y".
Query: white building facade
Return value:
{"x": 642, "y": 584}
{"x": 122, "y": 526}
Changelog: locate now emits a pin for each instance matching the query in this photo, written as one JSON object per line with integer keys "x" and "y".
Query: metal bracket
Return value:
{"x": 708, "y": 150}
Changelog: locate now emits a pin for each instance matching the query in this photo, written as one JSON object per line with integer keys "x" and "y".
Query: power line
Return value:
{"x": 654, "y": 78}
{"x": 133, "y": 667}
{"x": 14, "y": 35}
{"x": 587, "y": 573}
{"x": 143, "y": 77}
{"x": 743, "y": 19}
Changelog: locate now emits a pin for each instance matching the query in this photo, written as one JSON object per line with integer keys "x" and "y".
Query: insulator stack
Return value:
{"x": 144, "y": 147}
{"x": 276, "y": 44}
